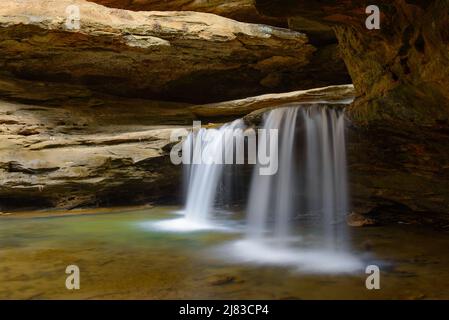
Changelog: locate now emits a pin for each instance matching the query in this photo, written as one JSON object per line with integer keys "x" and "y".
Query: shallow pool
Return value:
{"x": 123, "y": 256}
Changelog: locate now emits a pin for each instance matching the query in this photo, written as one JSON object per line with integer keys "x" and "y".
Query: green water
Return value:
{"x": 119, "y": 259}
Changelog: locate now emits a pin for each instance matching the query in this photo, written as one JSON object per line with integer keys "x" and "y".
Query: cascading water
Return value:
{"x": 207, "y": 164}
{"x": 310, "y": 186}
{"x": 204, "y": 157}
{"x": 272, "y": 193}
{"x": 321, "y": 171}
{"x": 326, "y": 172}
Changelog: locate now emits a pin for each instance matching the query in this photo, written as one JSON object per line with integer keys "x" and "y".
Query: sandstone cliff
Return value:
{"x": 184, "y": 56}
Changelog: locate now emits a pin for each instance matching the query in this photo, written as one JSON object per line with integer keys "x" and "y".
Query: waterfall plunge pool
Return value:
{"x": 121, "y": 259}
{"x": 291, "y": 241}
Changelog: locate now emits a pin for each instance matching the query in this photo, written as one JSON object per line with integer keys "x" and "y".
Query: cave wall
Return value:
{"x": 77, "y": 126}
{"x": 399, "y": 121}
{"x": 398, "y": 71}
{"x": 64, "y": 91}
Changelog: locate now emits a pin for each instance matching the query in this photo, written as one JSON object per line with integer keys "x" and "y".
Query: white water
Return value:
{"x": 310, "y": 187}
{"x": 273, "y": 193}
{"x": 203, "y": 155}
{"x": 320, "y": 168}
{"x": 300, "y": 259}
{"x": 325, "y": 134}
{"x": 205, "y": 176}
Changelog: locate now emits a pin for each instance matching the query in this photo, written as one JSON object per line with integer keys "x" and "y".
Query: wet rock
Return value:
{"x": 358, "y": 220}
{"x": 221, "y": 280}
{"x": 245, "y": 106}
{"x": 29, "y": 131}
{"x": 392, "y": 181}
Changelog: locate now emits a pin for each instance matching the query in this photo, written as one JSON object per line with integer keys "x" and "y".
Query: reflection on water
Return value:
{"x": 266, "y": 252}
{"x": 120, "y": 257}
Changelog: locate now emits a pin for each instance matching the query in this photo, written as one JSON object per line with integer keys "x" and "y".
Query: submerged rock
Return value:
{"x": 221, "y": 280}
{"x": 358, "y": 220}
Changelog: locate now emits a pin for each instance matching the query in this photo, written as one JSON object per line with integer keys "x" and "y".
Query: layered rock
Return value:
{"x": 243, "y": 107}
{"x": 326, "y": 66}
{"x": 400, "y": 117}
{"x": 399, "y": 175}
{"x": 397, "y": 70}
{"x": 65, "y": 147}
{"x": 186, "y": 56}
{"x": 240, "y": 10}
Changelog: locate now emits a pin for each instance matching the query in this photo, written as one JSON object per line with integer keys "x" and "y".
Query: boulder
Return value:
{"x": 357, "y": 220}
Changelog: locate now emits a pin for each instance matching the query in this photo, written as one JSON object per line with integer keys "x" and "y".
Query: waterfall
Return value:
{"x": 312, "y": 161}
{"x": 273, "y": 192}
{"x": 296, "y": 217}
{"x": 296, "y": 213}
{"x": 207, "y": 162}
{"x": 326, "y": 172}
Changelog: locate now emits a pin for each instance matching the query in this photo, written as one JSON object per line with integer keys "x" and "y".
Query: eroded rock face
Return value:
{"x": 404, "y": 79}
{"x": 398, "y": 175}
{"x": 64, "y": 145}
{"x": 326, "y": 67}
{"x": 240, "y": 10}
{"x": 397, "y": 70}
{"x": 184, "y": 56}
{"x": 67, "y": 147}
{"x": 400, "y": 118}
{"x": 244, "y": 107}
